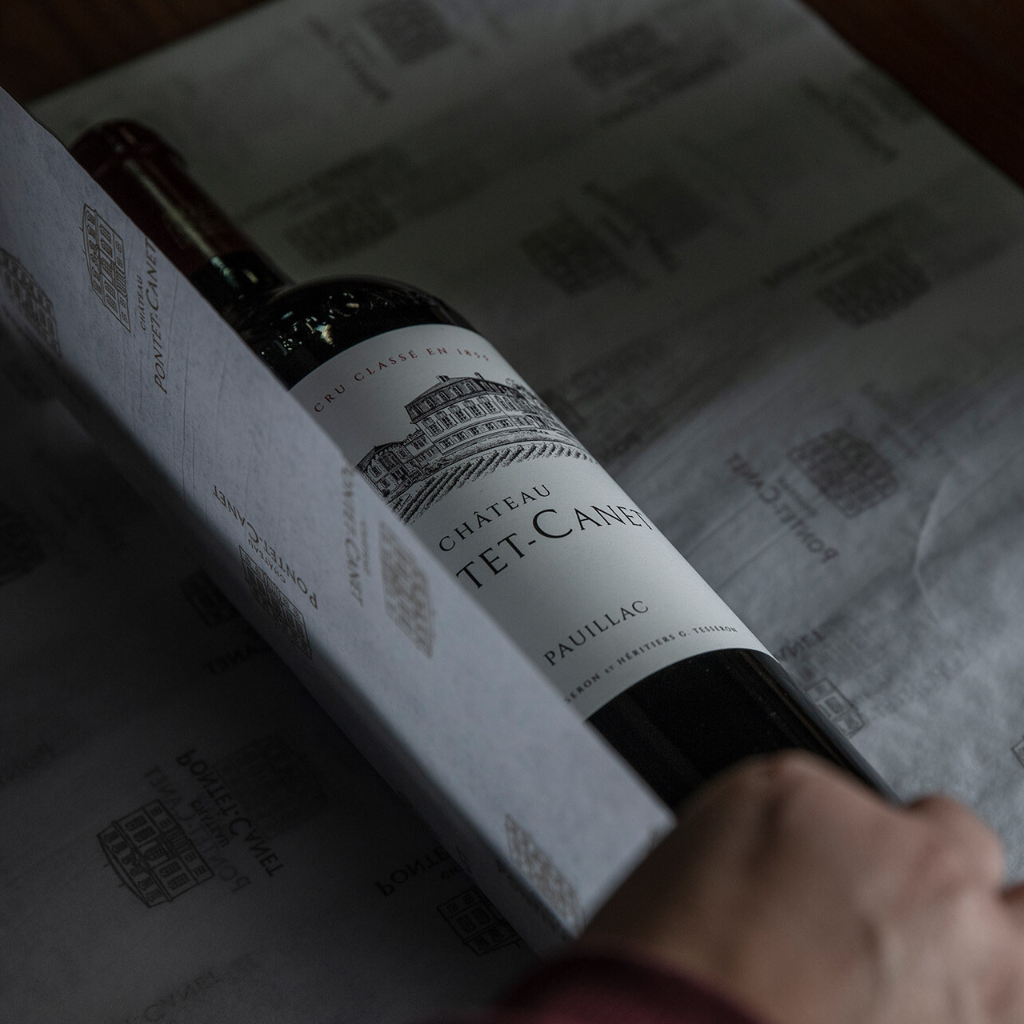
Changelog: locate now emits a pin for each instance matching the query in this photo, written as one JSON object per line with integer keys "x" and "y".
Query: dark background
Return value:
{"x": 963, "y": 58}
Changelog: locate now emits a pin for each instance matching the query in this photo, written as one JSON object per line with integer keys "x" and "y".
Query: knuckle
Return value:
{"x": 941, "y": 864}
{"x": 797, "y": 795}
{"x": 968, "y": 841}
{"x": 792, "y": 777}
{"x": 773, "y": 778}
{"x": 789, "y": 788}
{"x": 971, "y": 918}
{"x": 790, "y": 769}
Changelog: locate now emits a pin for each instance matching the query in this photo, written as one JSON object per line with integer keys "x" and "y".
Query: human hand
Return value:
{"x": 795, "y": 891}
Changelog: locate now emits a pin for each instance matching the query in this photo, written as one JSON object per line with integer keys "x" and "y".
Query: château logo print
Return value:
{"x": 31, "y": 301}
{"x": 152, "y": 855}
{"x": 540, "y": 871}
{"x": 406, "y": 593}
{"x": 840, "y": 711}
{"x": 877, "y": 288}
{"x": 104, "y": 257}
{"x": 410, "y": 29}
{"x": 620, "y": 56}
{"x": 572, "y": 255}
{"x": 272, "y": 600}
{"x": 463, "y": 429}
{"x": 847, "y": 470}
{"x": 244, "y": 800}
{"x": 477, "y": 922}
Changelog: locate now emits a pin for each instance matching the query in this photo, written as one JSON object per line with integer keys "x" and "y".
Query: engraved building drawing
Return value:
{"x": 477, "y": 922}
{"x": 33, "y": 303}
{"x": 463, "y": 428}
{"x": 848, "y": 470}
{"x": 152, "y": 855}
{"x": 104, "y": 256}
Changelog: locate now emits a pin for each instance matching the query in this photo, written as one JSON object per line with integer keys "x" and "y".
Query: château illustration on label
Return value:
{"x": 462, "y": 450}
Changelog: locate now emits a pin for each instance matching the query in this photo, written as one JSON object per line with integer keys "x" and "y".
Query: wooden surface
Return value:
{"x": 963, "y": 58}
{"x": 46, "y": 44}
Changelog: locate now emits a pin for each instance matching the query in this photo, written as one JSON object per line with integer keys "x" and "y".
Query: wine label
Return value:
{"x": 522, "y": 515}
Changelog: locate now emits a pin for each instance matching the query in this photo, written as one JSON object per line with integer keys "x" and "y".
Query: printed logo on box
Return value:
{"x": 31, "y": 301}
{"x": 152, "y": 855}
{"x": 406, "y": 593}
{"x": 848, "y": 470}
{"x": 477, "y": 922}
{"x": 104, "y": 258}
{"x": 542, "y": 873}
{"x": 272, "y": 600}
{"x": 840, "y": 711}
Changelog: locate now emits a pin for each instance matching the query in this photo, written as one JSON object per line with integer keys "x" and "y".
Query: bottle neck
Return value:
{"x": 147, "y": 179}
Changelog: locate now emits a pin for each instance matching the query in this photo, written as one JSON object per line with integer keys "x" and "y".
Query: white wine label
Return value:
{"x": 521, "y": 514}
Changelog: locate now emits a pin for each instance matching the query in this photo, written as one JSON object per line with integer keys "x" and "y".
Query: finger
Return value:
{"x": 745, "y": 798}
{"x": 980, "y": 847}
{"x": 1013, "y": 900}
{"x": 796, "y": 805}
{"x": 783, "y": 769}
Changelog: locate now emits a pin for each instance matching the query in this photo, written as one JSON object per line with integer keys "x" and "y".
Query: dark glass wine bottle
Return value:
{"x": 684, "y": 700}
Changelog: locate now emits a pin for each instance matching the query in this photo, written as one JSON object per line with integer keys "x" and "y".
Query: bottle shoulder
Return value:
{"x": 299, "y": 327}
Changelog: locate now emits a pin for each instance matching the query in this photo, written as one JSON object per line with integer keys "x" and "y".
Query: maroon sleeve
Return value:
{"x": 584, "y": 989}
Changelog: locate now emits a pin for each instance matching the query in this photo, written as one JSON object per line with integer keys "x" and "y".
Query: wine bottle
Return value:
{"x": 466, "y": 453}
